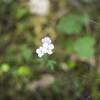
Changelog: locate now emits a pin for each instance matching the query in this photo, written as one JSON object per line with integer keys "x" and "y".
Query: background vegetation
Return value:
{"x": 71, "y": 73}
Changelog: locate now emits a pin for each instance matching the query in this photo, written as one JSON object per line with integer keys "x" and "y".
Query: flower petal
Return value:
{"x": 37, "y": 51}
{"x": 51, "y": 46}
{"x": 46, "y": 40}
{"x": 40, "y": 55}
{"x": 49, "y": 52}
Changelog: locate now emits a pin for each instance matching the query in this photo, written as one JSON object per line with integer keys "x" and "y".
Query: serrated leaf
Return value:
{"x": 71, "y": 24}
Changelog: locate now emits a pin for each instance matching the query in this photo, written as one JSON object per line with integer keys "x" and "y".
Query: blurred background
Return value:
{"x": 72, "y": 72}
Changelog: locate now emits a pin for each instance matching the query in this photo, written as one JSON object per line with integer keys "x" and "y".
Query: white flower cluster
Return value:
{"x": 46, "y": 47}
{"x": 39, "y": 7}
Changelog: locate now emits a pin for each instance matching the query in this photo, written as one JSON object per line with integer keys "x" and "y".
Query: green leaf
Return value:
{"x": 51, "y": 64}
{"x": 71, "y": 24}
{"x": 23, "y": 70}
{"x": 84, "y": 47}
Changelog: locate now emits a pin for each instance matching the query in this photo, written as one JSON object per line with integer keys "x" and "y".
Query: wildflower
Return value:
{"x": 39, "y": 7}
{"x": 46, "y": 47}
{"x": 40, "y": 52}
{"x": 46, "y": 40}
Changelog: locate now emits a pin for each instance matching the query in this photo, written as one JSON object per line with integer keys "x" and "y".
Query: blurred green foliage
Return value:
{"x": 74, "y": 27}
{"x": 4, "y": 67}
{"x": 84, "y": 47}
{"x": 22, "y": 71}
{"x": 72, "y": 24}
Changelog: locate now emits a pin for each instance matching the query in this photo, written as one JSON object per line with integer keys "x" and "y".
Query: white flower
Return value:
{"x": 48, "y": 48}
{"x": 39, "y": 7}
{"x": 40, "y": 52}
{"x": 46, "y": 40}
